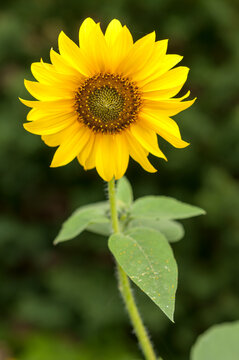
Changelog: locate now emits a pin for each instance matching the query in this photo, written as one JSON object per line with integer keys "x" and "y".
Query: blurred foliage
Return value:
{"x": 62, "y": 302}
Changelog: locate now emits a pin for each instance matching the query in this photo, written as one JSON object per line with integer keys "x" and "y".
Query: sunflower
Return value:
{"x": 107, "y": 99}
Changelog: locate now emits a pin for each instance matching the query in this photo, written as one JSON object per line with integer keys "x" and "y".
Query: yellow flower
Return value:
{"x": 107, "y": 99}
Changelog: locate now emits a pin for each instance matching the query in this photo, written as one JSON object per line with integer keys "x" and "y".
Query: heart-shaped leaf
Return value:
{"x": 147, "y": 258}
{"x": 81, "y": 219}
{"x": 124, "y": 191}
{"x": 172, "y": 230}
{"x": 163, "y": 207}
{"x": 220, "y": 342}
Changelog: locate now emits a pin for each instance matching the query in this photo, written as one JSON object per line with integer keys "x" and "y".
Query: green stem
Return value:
{"x": 125, "y": 289}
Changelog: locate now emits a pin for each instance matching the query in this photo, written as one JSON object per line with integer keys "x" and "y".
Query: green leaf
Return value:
{"x": 172, "y": 230}
{"x": 124, "y": 191}
{"x": 147, "y": 258}
{"x": 101, "y": 228}
{"x": 162, "y": 207}
{"x": 81, "y": 219}
{"x": 220, "y": 342}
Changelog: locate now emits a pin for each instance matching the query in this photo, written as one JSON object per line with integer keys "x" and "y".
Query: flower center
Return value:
{"x": 107, "y": 103}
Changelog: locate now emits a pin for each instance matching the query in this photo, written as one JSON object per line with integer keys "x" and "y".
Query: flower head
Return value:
{"x": 107, "y": 99}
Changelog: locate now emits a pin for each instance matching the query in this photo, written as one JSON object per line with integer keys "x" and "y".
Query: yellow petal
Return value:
{"x": 164, "y": 65}
{"x": 56, "y": 139}
{"x": 159, "y": 51}
{"x": 86, "y": 151}
{"x": 98, "y": 51}
{"x": 171, "y": 79}
{"x": 138, "y": 153}
{"x": 182, "y": 97}
{"x": 104, "y": 157}
{"x": 120, "y": 152}
{"x": 73, "y": 54}
{"x": 164, "y": 94}
{"x": 58, "y": 105}
{"x": 167, "y": 107}
{"x": 47, "y": 74}
{"x": 90, "y": 161}
{"x": 50, "y": 124}
{"x": 53, "y": 140}
{"x": 62, "y": 66}
{"x": 120, "y": 49}
{"x": 112, "y": 32}
{"x": 110, "y": 156}
{"x": 47, "y": 92}
{"x": 93, "y": 46}
{"x": 161, "y": 94}
{"x": 138, "y": 55}
{"x": 34, "y": 114}
{"x": 71, "y": 146}
{"x": 38, "y": 114}
{"x": 87, "y": 27}
{"x": 147, "y": 138}
{"x": 42, "y": 74}
{"x": 165, "y": 127}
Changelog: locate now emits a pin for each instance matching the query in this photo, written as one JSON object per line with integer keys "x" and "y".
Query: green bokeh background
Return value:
{"x": 61, "y": 303}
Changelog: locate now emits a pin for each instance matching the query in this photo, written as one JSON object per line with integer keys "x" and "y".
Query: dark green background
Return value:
{"x": 61, "y": 303}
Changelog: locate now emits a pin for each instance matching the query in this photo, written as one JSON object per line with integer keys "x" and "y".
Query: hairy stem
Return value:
{"x": 125, "y": 289}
